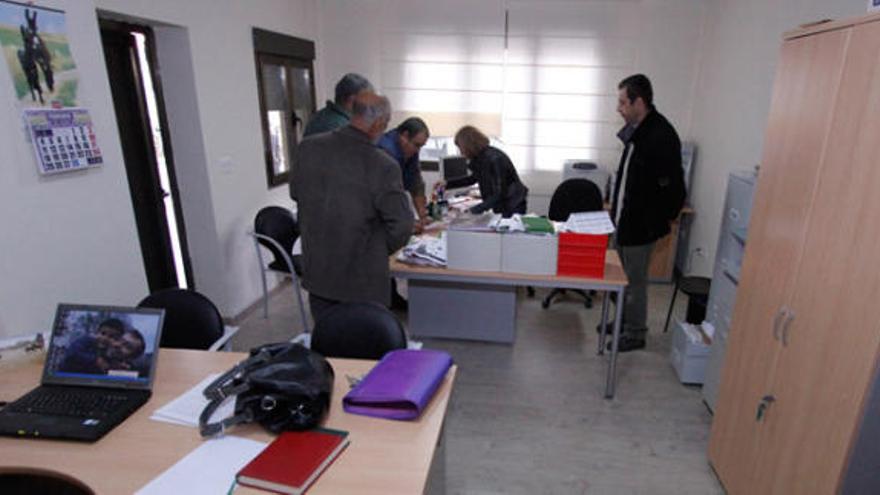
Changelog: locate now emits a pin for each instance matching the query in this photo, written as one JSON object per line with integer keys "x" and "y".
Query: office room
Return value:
{"x": 743, "y": 83}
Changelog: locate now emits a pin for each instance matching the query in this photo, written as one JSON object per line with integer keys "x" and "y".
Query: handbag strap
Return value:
{"x": 224, "y": 387}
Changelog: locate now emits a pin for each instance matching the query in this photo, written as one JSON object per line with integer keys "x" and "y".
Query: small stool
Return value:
{"x": 697, "y": 290}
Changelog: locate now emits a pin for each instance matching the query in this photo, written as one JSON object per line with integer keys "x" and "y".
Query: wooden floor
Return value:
{"x": 530, "y": 418}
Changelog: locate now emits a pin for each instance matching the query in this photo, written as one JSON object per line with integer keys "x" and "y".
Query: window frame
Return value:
{"x": 289, "y": 52}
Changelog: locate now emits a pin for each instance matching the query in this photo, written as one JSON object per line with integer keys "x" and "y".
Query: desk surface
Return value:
{"x": 614, "y": 275}
{"x": 384, "y": 456}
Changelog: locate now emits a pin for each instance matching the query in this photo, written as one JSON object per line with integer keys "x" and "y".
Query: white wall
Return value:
{"x": 69, "y": 237}
{"x": 732, "y": 96}
{"x": 227, "y": 106}
{"x": 73, "y": 237}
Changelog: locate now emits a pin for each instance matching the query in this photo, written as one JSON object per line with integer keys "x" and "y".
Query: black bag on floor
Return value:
{"x": 280, "y": 386}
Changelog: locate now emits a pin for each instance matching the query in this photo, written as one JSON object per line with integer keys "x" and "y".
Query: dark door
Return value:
{"x": 151, "y": 178}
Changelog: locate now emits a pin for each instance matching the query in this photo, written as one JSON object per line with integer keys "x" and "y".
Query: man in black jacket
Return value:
{"x": 648, "y": 196}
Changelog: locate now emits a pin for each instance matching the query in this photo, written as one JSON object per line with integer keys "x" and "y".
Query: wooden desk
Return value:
{"x": 384, "y": 456}
{"x": 475, "y": 305}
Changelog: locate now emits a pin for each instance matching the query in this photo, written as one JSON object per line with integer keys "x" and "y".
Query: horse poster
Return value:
{"x": 34, "y": 43}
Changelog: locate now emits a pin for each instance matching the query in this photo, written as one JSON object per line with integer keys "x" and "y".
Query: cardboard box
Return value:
{"x": 477, "y": 251}
{"x": 689, "y": 353}
{"x": 529, "y": 253}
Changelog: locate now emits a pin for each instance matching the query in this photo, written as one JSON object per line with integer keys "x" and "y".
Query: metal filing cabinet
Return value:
{"x": 725, "y": 276}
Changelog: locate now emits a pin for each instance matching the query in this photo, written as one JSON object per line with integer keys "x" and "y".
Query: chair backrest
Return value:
{"x": 572, "y": 196}
{"x": 359, "y": 330}
{"x": 191, "y": 319}
{"x": 278, "y": 223}
{"x": 26, "y": 481}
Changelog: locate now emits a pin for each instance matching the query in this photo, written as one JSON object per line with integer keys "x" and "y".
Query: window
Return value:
{"x": 285, "y": 75}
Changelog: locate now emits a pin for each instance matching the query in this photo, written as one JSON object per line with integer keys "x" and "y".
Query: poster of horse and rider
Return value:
{"x": 37, "y": 53}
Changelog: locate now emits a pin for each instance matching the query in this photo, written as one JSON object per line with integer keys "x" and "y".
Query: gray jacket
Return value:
{"x": 353, "y": 213}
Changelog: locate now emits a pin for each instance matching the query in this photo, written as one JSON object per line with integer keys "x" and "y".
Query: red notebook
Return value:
{"x": 294, "y": 460}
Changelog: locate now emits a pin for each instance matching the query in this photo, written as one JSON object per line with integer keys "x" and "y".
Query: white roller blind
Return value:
{"x": 552, "y": 86}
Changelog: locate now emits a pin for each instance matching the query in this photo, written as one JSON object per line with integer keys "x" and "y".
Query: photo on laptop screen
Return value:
{"x": 103, "y": 344}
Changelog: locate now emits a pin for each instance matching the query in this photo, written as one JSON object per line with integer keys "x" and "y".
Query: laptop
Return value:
{"x": 99, "y": 370}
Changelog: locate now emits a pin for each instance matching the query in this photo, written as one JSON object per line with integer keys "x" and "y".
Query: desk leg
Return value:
{"x": 603, "y": 322}
{"x": 611, "y": 376}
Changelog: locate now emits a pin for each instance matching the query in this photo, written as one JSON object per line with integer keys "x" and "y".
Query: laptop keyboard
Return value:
{"x": 76, "y": 403}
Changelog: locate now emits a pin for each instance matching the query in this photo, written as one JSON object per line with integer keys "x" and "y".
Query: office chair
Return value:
{"x": 697, "y": 290}
{"x": 359, "y": 330}
{"x": 277, "y": 230}
{"x": 192, "y": 321}
{"x": 26, "y": 481}
{"x": 573, "y": 196}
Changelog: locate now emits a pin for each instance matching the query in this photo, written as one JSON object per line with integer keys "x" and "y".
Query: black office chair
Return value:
{"x": 192, "y": 321}
{"x": 359, "y": 330}
{"x": 697, "y": 290}
{"x": 573, "y": 196}
{"x": 25, "y": 481}
{"x": 277, "y": 230}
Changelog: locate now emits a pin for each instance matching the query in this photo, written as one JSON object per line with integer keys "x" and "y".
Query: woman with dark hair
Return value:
{"x": 500, "y": 187}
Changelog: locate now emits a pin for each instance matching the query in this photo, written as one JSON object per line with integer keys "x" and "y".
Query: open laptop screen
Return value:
{"x": 103, "y": 345}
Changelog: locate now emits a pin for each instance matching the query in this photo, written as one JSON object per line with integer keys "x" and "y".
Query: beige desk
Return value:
{"x": 383, "y": 457}
{"x": 473, "y": 305}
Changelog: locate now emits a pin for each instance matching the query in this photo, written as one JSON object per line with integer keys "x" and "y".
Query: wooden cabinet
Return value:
{"x": 803, "y": 347}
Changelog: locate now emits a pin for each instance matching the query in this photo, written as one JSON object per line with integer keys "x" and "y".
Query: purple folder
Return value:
{"x": 400, "y": 385}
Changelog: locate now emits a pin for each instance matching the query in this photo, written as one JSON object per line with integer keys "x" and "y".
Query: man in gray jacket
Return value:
{"x": 353, "y": 211}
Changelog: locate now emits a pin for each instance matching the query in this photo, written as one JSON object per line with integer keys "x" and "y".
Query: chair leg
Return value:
{"x": 265, "y": 295}
{"x": 671, "y": 305}
{"x": 549, "y": 299}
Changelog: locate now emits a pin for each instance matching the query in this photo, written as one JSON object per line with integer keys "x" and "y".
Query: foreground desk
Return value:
{"x": 384, "y": 456}
{"x": 473, "y": 305}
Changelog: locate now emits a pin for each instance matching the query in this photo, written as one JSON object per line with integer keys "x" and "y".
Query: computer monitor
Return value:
{"x": 453, "y": 167}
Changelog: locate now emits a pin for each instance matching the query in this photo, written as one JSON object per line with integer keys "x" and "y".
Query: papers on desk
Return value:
{"x": 185, "y": 410}
{"x": 208, "y": 470}
{"x": 593, "y": 222}
{"x": 425, "y": 251}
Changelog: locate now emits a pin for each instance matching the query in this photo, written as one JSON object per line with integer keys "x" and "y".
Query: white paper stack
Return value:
{"x": 425, "y": 251}
{"x": 185, "y": 409}
{"x": 593, "y": 222}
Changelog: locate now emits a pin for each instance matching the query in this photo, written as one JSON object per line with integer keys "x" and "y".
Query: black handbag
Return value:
{"x": 280, "y": 386}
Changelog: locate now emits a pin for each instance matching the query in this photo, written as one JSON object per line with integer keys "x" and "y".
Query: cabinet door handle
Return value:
{"x": 777, "y": 320}
{"x": 763, "y": 404}
{"x": 786, "y": 324}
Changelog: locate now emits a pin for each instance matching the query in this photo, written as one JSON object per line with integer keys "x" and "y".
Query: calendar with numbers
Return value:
{"x": 63, "y": 139}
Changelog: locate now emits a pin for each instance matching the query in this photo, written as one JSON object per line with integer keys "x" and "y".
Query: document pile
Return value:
{"x": 425, "y": 251}
{"x": 484, "y": 222}
{"x": 594, "y": 222}
{"x": 186, "y": 408}
{"x": 512, "y": 224}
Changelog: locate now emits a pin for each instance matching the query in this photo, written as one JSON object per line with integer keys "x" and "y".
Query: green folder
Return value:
{"x": 538, "y": 225}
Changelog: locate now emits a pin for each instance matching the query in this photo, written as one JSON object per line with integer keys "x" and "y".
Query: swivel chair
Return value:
{"x": 27, "y": 481}
{"x": 573, "y": 196}
{"x": 359, "y": 330}
{"x": 277, "y": 230}
{"x": 192, "y": 321}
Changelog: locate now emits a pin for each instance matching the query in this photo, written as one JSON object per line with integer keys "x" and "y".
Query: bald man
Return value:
{"x": 353, "y": 211}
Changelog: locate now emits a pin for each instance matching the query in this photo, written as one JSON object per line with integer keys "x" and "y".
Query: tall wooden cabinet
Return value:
{"x": 802, "y": 352}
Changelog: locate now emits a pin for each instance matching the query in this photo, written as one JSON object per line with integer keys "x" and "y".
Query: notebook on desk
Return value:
{"x": 99, "y": 369}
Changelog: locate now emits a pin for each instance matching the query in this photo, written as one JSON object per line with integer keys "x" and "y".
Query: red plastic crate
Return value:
{"x": 581, "y": 255}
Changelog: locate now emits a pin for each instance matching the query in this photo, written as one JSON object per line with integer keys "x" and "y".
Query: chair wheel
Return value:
{"x": 530, "y": 291}
{"x": 588, "y": 304}
{"x": 545, "y": 304}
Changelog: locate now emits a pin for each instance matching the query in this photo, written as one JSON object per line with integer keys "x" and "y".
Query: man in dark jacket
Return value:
{"x": 353, "y": 211}
{"x": 335, "y": 114}
{"x": 648, "y": 195}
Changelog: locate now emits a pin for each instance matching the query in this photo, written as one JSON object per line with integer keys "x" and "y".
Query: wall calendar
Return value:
{"x": 63, "y": 139}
